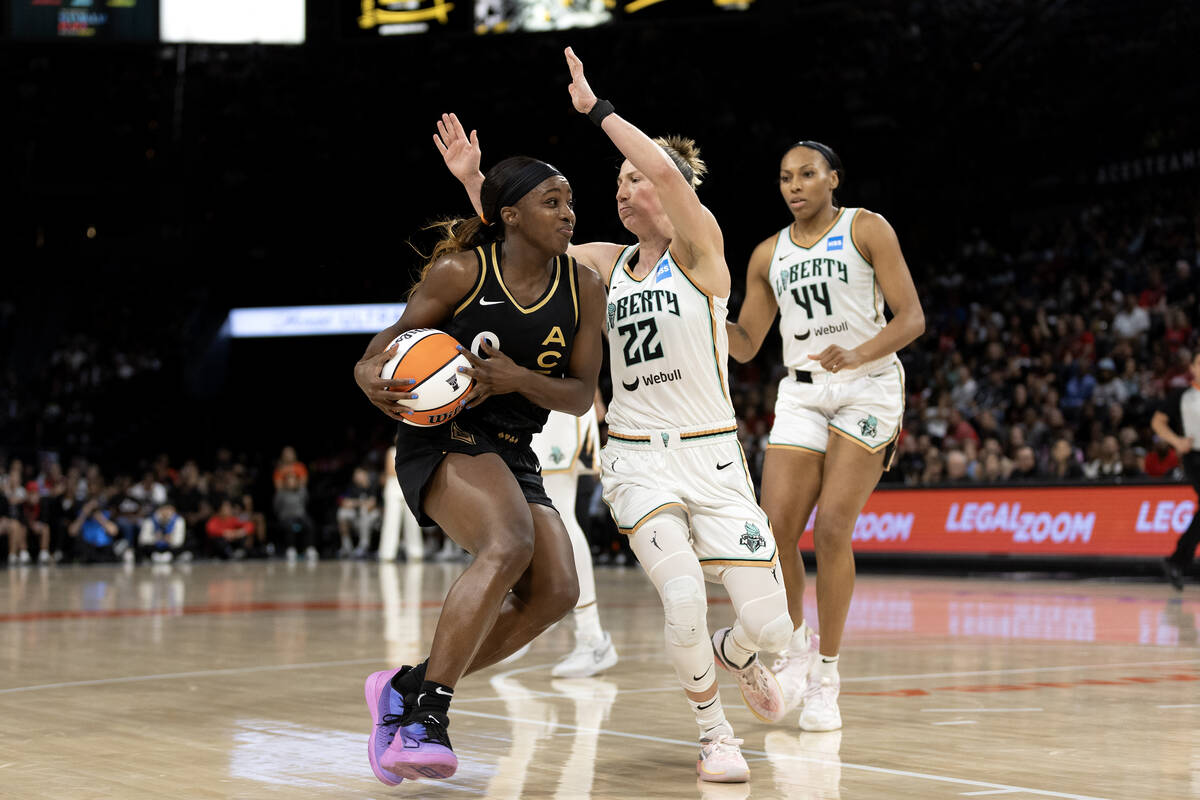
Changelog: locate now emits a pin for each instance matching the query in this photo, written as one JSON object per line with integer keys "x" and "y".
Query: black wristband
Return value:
{"x": 599, "y": 111}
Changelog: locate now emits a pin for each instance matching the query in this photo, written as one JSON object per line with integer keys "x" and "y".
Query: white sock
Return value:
{"x": 709, "y": 715}
{"x": 587, "y": 624}
{"x": 798, "y": 644}
{"x": 825, "y": 667}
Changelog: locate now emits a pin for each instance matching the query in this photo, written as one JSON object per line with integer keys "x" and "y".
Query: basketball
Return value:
{"x": 431, "y": 359}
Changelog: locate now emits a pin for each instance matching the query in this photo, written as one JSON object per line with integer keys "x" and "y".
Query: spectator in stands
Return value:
{"x": 1132, "y": 320}
{"x": 162, "y": 535}
{"x": 291, "y": 511}
{"x": 191, "y": 499}
{"x": 358, "y": 511}
{"x": 1162, "y": 460}
{"x": 289, "y": 464}
{"x": 958, "y": 467}
{"x": 1132, "y": 462}
{"x": 934, "y": 471}
{"x": 230, "y": 533}
{"x": 1109, "y": 388}
{"x": 1108, "y": 464}
{"x": 1025, "y": 466}
{"x": 95, "y": 530}
{"x": 1064, "y": 462}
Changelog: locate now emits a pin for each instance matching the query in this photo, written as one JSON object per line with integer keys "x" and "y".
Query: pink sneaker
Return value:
{"x": 760, "y": 689}
{"x": 721, "y": 760}
{"x": 422, "y": 749}
{"x": 386, "y": 707}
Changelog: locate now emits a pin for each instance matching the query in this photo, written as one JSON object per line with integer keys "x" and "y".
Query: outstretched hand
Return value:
{"x": 582, "y": 96}
{"x": 460, "y": 152}
{"x": 496, "y": 374}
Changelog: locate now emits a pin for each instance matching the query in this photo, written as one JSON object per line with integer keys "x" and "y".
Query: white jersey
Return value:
{"x": 568, "y": 443}
{"x": 827, "y": 294}
{"x": 668, "y": 349}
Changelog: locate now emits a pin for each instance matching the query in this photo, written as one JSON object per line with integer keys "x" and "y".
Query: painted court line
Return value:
{"x": 958, "y": 722}
{"x": 1183, "y": 705}
{"x": 691, "y": 746}
{"x": 972, "y": 710}
{"x": 990, "y": 791}
{"x": 205, "y": 673}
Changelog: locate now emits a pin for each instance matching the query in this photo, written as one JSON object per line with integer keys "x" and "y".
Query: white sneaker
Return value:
{"x": 791, "y": 670}
{"x": 587, "y": 659}
{"x": 24, "y": 558}
{"x": 290, "y": 555}
{"x": 820, "y": 705}
{"x": 760, "y": 689}
{"x": 721, "y": 760}
{"x": 44, "y": 557}
{"x": 311, "y": 554}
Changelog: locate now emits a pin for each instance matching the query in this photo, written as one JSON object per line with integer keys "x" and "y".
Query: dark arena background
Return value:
{"x": 171, "y": 163}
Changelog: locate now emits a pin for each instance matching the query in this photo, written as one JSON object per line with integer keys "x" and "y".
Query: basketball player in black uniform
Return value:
{"x": 529, "y": 321}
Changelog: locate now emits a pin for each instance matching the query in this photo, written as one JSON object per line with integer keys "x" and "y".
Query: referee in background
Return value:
{"x": 1181, "y": 412}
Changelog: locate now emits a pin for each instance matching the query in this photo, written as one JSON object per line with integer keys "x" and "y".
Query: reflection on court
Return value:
{"x": 245, "y": 680}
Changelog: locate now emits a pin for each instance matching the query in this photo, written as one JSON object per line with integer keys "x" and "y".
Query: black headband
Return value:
{"x": 831, "y": 159}
{"x": 519, "y": 185}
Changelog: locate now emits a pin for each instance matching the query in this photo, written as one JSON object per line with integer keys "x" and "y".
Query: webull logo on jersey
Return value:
{"x": 663, "y": 272}
{"x": 653, "y": 378}
{"x": 1026, "y": 526}
{"x": 647, "y": 301}
{"x": 833, "y": 243}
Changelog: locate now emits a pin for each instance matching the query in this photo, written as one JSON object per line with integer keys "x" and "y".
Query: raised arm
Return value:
{"x": 697, "y": 233}
{"x": 877, "y": 242}
{"x": 758, "y": 309}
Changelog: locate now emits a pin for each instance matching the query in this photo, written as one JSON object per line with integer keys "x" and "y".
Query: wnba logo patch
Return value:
{"x": 833, "y": 243}
{"x": 752, "y": 540}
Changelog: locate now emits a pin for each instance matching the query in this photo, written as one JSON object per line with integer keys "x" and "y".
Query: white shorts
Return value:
{"x": 702, "y": 473}
{"x": 568, "y": 444}
{"x": 867, "y": 409}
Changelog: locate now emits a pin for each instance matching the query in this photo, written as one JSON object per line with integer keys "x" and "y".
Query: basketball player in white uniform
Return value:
{"x": 569, "y": 447}
{"x": 673, "y": 472}
{"x": 840, "y": 405}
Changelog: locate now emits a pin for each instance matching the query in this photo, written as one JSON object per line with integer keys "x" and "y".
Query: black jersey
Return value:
{"x": 539, "y": 337}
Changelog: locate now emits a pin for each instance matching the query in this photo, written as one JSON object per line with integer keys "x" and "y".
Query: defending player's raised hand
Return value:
{"x": 383, "y": 392}
{"x": 582, "y": 96}
{"x": 836, "y": 359}
{"x": 496, "y": 374}
{"x": 460, "y": 151}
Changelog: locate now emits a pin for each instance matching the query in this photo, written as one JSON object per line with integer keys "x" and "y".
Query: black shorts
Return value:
{"x": 419, "y": 451}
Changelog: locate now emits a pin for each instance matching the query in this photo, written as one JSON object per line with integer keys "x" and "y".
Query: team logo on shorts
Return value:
{"x": 666, "y": 437}
{"x": 612, "y": 315}
{"x": 752, "y": 539}
{"x": 461, "y": 435}
{"x": 556, "y": 455}
{"x": 869, "y": 426}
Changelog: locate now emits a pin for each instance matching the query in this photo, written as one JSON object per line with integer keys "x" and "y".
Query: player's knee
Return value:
{"x": 684, "y": 606}
{"x": 832, "y": 530}
{"x": 508, "y": 551}
{"x": 774, "y": 636}
{"x": 559, "y": 597}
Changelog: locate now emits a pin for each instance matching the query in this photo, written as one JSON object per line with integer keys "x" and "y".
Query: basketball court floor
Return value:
{"x": 244, "y": 680}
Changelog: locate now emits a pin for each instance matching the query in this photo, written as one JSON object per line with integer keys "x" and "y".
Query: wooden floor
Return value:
{"x": 245, "y": 681}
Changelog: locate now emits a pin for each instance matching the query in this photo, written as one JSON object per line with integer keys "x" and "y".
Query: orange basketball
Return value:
{"x": 431, "y": 359}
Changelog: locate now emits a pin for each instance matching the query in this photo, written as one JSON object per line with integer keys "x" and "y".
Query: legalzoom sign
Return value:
{"x": 1084, "y": 520}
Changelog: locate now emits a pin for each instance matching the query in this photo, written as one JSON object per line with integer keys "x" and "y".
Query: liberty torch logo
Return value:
{"x": 752, "y": 539}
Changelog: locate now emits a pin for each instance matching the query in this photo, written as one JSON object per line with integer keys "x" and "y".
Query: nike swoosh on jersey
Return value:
{"x": 723, "y": 466}
{"x": 483, "y": 302}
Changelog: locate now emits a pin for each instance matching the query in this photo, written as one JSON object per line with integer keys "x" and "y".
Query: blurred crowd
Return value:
{"x": 229, "y": 510}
